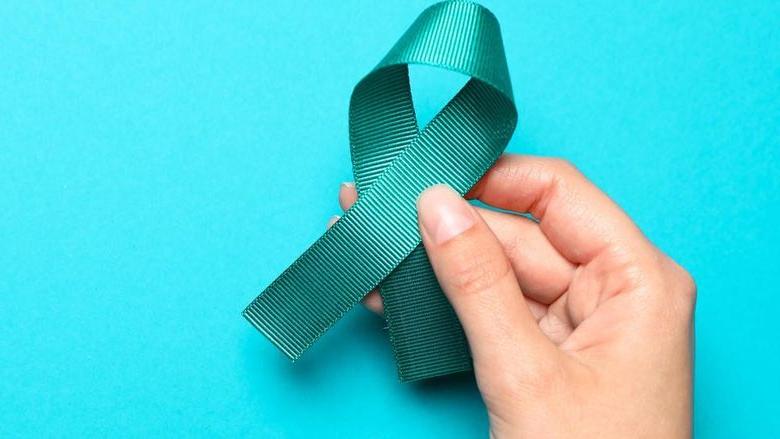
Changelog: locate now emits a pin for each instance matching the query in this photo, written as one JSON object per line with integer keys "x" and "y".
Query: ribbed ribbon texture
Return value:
{"x": 376, "y": 243}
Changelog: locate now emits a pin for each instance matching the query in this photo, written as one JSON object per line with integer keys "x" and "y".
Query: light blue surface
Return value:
{"x": 161, "y": 162}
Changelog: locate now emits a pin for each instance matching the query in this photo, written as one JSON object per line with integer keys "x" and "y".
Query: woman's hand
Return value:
{"x": 578, "y": 325}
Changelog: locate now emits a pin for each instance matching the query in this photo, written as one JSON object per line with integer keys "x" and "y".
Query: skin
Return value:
{"x": 578, "y": 325}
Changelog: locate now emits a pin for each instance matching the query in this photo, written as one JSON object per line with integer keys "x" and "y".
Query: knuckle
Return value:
{"x": 519, "y": 173}
{"x": 685, "y": 284}
{"x": 563, "y": 166}
{"x": 514, "y": 244}
{"x": 678, "y": 285}
{"x": 474, "y": 272}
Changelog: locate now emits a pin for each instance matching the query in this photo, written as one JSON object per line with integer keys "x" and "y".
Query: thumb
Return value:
{"x": 478, "y": 279}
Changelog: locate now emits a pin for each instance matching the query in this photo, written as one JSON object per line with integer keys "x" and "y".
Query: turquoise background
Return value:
{"x": 161, "y": 162}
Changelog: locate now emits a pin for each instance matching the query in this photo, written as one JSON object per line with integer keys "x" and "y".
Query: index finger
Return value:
{"x": 578, "y": 219}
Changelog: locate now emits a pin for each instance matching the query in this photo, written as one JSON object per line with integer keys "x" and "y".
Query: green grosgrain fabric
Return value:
{"x": 376, "y": 243}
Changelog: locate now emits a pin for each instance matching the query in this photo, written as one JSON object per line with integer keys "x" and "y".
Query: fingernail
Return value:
{"x": 346, "y": 194}
{"x": 443, "y": 213}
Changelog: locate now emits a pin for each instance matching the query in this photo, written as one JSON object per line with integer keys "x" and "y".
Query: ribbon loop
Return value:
{"x": 377, "y": 239}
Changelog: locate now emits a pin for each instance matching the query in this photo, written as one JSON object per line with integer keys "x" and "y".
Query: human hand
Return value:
{"x": 578, "y": 325}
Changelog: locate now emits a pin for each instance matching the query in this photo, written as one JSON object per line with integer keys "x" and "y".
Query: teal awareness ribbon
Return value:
{"x": 376, "y": 243}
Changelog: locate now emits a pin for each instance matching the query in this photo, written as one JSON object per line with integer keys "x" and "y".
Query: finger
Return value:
{"x": 543, "y": 274}
{"x": 578, "y": 219}
{"x": 556, "y": 323}
{"x": 347, "y": 195}
{"x": 477, "y": 278}
{"x": 372, "y": 300}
